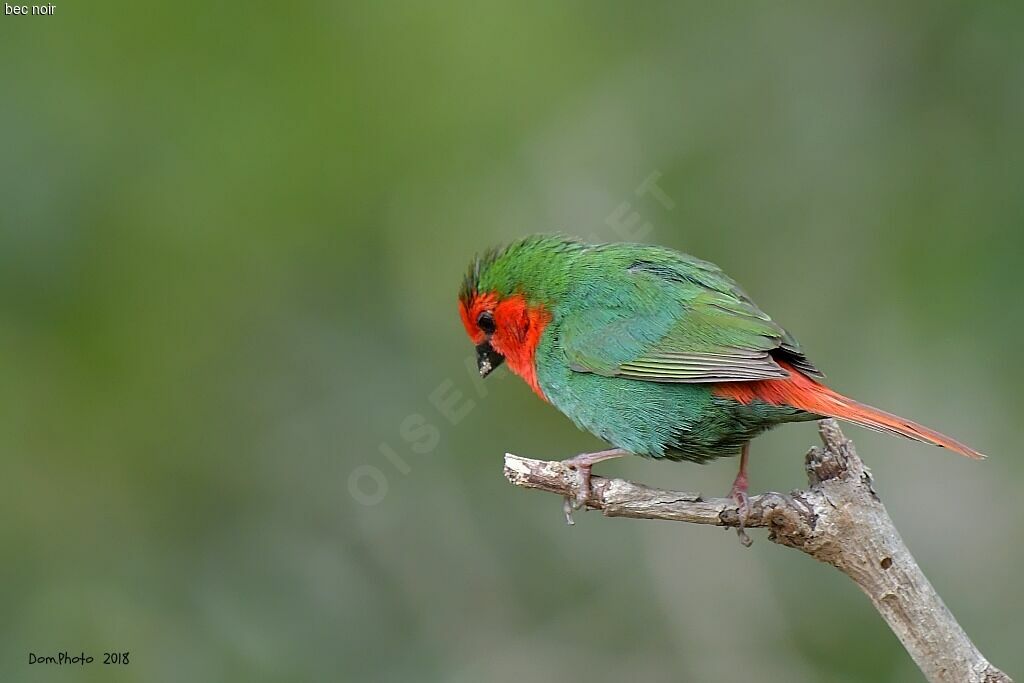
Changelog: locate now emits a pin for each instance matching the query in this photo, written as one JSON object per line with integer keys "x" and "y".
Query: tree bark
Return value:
{"x": 838, "y": 520}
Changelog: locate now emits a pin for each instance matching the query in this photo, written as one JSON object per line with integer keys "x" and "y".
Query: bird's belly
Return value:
{"x": 660, "y": 420}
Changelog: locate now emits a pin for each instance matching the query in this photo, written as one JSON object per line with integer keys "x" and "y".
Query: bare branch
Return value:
{"x": 838, "y": 520}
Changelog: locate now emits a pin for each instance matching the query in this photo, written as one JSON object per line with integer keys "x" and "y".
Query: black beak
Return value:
{"x": 487, "y": 359}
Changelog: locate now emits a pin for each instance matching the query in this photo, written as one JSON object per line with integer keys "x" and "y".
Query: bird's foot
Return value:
{"x": 742, "y": 513}
{"x": 577, "y": 501}
{"x": 742, "y": 500}
{"x": 581, "y": 491}
{"x": 739, "y": 494}
{"x": 581, "y": 464}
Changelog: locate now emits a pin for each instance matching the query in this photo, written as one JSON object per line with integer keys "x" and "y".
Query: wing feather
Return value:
{"x": 704, "y": 329}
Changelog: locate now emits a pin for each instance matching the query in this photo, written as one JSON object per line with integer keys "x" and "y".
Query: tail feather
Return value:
{"x": 882, "y": 421}
{"x": 803, "y": 392}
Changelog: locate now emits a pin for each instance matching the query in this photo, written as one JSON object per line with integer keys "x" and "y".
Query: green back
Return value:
{"x": 641, "y": 312}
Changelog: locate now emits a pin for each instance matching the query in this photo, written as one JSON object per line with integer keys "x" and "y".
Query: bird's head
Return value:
{"x": 505, "y": 303}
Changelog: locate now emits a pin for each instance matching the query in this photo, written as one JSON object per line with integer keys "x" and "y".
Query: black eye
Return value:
{"x": 485, "y": 321}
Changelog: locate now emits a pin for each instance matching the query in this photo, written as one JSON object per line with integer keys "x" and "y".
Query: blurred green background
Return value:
{"x": 230, "y": 240}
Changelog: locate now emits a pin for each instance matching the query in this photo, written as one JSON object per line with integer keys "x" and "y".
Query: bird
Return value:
{"x": 656, "y": 352}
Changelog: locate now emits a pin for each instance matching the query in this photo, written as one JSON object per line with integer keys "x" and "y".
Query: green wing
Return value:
{"x": 693, "y": 324}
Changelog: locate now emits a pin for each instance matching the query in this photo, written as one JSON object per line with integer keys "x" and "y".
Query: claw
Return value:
{"x": 742, "y": 505}
{"x": 583, "y": 491}
{"x": 739, "y": 494}
{"x": 578, "y": 501}
{"x": 581, "y": 464}
{"x": 742, "y": 513}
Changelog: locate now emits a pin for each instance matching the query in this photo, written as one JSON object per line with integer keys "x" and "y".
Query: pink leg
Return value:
{"x": 582, "y": 464}
{"x": 739, "y": 494}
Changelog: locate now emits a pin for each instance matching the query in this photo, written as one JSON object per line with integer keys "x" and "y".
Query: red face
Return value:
{"x": 478, "y": 317}
{"x": 504, "y": 329}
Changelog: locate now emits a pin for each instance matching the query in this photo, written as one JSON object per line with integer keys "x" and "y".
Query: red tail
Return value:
{"x": 800, "y": 391}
